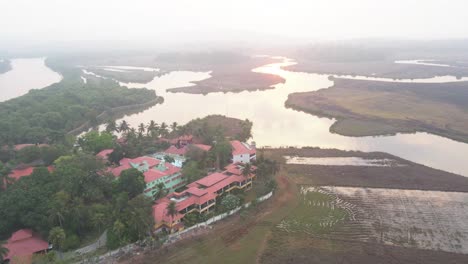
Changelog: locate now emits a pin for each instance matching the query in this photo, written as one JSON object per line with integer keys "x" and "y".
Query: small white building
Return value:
{"x": 243, "y": 152}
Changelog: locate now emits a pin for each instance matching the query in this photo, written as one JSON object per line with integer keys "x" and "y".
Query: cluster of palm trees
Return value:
{"x": 152, "y": 129}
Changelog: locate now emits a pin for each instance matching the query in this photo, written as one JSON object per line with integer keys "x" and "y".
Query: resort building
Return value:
{"x": 243, "y": 152}
{"x": 104, "y": 154}
{"x": 155, "y": 172}
{"x": 23, "y": 244}
{"x": 182, "y": 151}
{"x": 19, "y": 173}
{"x": 200, "y": 196}
{"x": 178, "y": 159}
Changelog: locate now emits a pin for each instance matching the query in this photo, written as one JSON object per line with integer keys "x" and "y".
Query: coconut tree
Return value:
{"x": 163, "y": 129}
{"x": 3, "y": 251}
{"x": 141, "y": 128}
{"x": 174, "y": 126}
{"x": 124, "y": 127}
{"x": 171, "y": 211}
{"x": 246, "y": 170}
{"x": 111, "y": 126}
{"x": 151, "y": 128}
{"x": 161, "y": 191}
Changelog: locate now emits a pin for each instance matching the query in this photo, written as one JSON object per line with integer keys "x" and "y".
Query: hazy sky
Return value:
{"x": 78, "y": 20}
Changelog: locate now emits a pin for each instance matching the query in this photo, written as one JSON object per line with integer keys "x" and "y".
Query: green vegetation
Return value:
{"x": 212, "y": 127}
{"x": 79, "y": 198}
{"x": 47, "y": 115}
{"x": 3, "y": 250}
{"x": 192, "y": 171}
{"x": 366, "y": 108}
{"x": 96, "y": 141}
{"x": 127, "y": 76}
{"x": 230, "y": 202}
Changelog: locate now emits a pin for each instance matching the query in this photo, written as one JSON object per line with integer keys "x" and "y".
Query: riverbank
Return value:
{"x": 371, "y": 108}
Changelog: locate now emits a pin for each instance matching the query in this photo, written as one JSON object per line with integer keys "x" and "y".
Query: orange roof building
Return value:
{"x": 200, "y": 196}
{"x": 23, "y": 244}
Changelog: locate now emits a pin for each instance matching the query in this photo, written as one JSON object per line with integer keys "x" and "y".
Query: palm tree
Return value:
{"x": 3, "y": 251}
{"x": 161, "y": 191}
{"x": 124, "y": 127}
{"x": 246, "y": 170}
{"x": 57, "y": 237}
{"x": 171, "y": 211}
{"x": 174, "y": 126}
{"x": 111, "y": 126}
{"x": 152, "y": 126}
{"x": 163, "y": 129}
{"x": 141, "y": 128}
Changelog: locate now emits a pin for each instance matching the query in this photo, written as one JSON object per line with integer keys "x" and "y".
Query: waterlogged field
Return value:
{"x": 430, "y": 220}
{"x": 317, "y": 213}
{"x": 341, "y": 161}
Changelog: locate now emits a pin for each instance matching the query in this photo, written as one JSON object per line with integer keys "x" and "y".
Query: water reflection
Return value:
{"x": 274, "y": 125}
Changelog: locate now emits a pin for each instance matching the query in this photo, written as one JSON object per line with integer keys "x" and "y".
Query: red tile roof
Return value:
{"x": 105, "y": 153}
{"x": 19, "y": 173}
{"x": 149, "y": 160}
{"x": 195, "y": 191}
{"x": 211, "y": 179}
{"x": 237, "y": 168}
{"x": 154, "y": 174}
{"x": 202, "y": 147}
{"x": 239, "y": 148}
{"x": 198, "y": 193}
{"x": 24, "y": 243}
{"x": 160, "y": 212}
{"x": 117, "y": 170}
{"x": 176, "y": 151}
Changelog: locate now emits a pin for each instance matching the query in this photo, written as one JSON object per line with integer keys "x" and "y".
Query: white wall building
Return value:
{"x": 243, "y": 152}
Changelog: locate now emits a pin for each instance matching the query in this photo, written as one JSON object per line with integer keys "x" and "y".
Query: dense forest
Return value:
{"x": 46, "y": 115}
{"x": 79, "y": 200}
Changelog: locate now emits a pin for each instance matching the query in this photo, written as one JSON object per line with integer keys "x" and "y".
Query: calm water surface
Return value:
{"x": 274, "y": 125}
{"x": 26, "y": 74}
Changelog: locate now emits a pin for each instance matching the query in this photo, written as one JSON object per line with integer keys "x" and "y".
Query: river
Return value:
{"x": 26, "y": 74}
{"x": 275, "y": 125}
